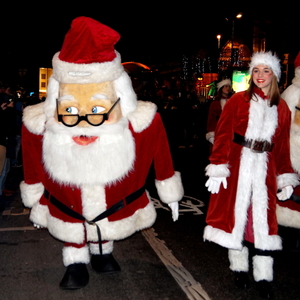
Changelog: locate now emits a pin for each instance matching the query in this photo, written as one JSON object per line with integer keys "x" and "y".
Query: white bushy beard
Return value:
{"x": 106, "y": 160}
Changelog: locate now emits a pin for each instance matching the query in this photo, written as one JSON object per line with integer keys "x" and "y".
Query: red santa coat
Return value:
{"x": 253, "y": 178}
{"x": 151, "y": 146}
{"x": 214, "y": 113}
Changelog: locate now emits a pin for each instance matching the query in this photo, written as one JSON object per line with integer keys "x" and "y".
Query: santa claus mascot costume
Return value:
{"x": 87, "y": 153}
{"x": 288, "y": 212}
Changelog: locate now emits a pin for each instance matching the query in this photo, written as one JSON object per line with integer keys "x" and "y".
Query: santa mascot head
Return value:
{"x": 89, "y": 99}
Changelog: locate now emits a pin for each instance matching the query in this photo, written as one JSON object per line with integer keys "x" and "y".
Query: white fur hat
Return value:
{"x": 266, "y": 58}
{"x": 226, "y": 81}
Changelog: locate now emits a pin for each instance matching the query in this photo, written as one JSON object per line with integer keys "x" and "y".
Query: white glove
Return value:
{"x": 211, "y": 140}
{"x": 37, "y": 226}
{"x": 285, "y": 193}
{"x": 174, "y": 208}
{"x": 213, "y": 184}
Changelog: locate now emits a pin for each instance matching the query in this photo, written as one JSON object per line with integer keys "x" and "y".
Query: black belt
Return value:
{"x": 255, "y": 146}
{"x": 114, "y": 208}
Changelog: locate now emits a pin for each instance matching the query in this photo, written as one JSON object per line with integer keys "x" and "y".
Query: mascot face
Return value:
{"x": 88, "y": 99}
{"x": 70, "y": 153}
{"x": 87, "y": 105}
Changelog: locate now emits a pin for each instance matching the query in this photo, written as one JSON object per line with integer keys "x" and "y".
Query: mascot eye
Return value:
{"x": 97, "y": 109}
{"x": 72, "y": 110}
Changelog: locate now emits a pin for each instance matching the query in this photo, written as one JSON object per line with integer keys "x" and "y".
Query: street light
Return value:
{"x": 219, "y": 38}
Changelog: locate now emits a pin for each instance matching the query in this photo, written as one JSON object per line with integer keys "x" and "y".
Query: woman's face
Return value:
{"x": 226, "y": 89}
{"x": 262, "y": 77}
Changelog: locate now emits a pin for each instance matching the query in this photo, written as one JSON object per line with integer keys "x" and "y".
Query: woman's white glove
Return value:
{"x": 213, "y": 184}
{"x": 174, "y": 208}
{"x": 285, "y": 193}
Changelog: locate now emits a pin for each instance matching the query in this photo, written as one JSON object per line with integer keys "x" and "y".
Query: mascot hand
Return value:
{"x": 174, "y": 208}
{"x": 285, "y": 193}
{"x": 213, "y": 184}
{"x": 37, "y": 226}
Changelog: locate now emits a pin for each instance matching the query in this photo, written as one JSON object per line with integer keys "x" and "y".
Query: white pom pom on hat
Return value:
{"x": 266, "y": 58}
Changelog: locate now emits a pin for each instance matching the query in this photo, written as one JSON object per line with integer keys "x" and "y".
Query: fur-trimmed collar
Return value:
{"x": 34, "y": 117}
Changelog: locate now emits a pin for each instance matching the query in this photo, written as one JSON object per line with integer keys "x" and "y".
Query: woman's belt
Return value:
{"x": 254, "y": 145}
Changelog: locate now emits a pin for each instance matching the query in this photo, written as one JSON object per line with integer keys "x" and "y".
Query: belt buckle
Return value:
{"x": 253, "y": 143}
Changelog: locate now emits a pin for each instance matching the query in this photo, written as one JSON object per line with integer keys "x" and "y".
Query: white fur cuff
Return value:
{"x": 217, "y": 170}
{"x": 171, "y": 189}
{"x": 287, "y": 179}
{"x": 287, "y": 217}
{"x": 31, "y": 193}
{"x": 262, "y": 268}
{"x": 72, "y": 255}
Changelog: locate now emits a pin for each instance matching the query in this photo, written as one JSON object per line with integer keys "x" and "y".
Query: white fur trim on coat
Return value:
{"x": 171, "y": 189}
{"x": 143, "y": 116}
{"x": 287, "y": 217}
{"x": 31, "y": 193}
{"x": 34, "y": 118}
{"x": 72, "y": 255}
{"x": 39, "y": 215}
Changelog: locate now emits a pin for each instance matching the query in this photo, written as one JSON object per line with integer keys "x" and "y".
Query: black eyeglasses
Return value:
{"x": 93, "y": 119}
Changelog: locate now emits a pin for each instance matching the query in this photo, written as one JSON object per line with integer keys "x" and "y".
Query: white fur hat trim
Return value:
{"x": 268, "y": 59}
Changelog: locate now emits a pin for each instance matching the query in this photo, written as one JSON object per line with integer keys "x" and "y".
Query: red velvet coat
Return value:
{"x": 253, "y": 178}
{"x": 151, "y": 146}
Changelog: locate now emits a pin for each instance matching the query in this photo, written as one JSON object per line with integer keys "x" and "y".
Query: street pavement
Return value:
{"x": 169, "y": 261}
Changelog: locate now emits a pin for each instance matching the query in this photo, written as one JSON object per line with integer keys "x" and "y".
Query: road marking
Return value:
{"x": 186, "y": 205}
{"x": 189, "y": 285}
{"x": 24, "y": 228}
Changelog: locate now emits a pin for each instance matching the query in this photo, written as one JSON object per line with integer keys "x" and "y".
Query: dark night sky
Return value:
{"x": 150, "y": 31}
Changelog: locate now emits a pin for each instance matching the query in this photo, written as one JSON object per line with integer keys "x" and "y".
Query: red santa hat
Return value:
{"x": 88, "y": 56}
{"x": 268, "y": 59}
{"x": 297, "y": 61}
{"x": 226, "y": 81}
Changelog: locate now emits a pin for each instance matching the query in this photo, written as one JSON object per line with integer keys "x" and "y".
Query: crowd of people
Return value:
{"x": 12, "y": 103}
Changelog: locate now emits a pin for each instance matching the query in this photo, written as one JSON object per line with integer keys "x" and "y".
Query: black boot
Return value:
{"x": 241, "y": 280}
{"x": 105, "y": 263}
{"x": 76, "y": 277}
{"x": 264, "y": 288}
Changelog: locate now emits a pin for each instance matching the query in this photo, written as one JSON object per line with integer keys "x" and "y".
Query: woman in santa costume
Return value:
{"x": 250, "y": 162}
{"x": 87, "y": 152}
{"x": 215, "y": 109}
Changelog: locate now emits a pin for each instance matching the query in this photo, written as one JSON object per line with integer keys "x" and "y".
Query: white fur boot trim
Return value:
{"x": 72, "y": 255}
{"x": 263, "y": 268}
{"x": 107, "y": 248}
{"x": 238, "y": 260}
